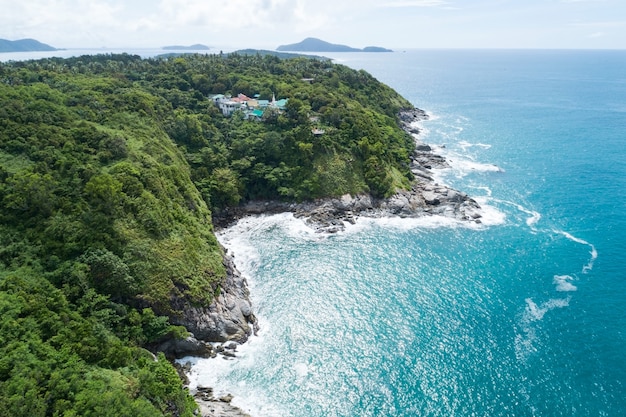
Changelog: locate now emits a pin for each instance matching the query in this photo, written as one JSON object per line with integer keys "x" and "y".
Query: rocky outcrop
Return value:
{"x": 178, "y": 348}
{"x": 210, "y": 406}
{"x": 228, "y": 318}
{"x": 331, "y": 215}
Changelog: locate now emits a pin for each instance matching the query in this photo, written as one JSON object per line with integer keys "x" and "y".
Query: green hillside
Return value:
{"x": 109, "y": 169}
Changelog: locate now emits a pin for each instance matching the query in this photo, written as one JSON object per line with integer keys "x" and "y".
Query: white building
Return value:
{"x": 227, "y": 105}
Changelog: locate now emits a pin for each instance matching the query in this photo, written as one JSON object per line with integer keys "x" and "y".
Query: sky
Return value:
{"x": 269, "y": 23}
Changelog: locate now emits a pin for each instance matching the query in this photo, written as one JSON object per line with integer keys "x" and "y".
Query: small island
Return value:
{"x": 318, "y": 45}
{"x": 24, "y": 45}
{"x": 195, "y": 47}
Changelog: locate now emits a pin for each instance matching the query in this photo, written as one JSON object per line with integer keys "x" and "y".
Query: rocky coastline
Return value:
{"x": 226, "y": 322}
{"x": 216, "y": 330}
{"x": 229, "y": 320}
{"x": 330, "y": 215}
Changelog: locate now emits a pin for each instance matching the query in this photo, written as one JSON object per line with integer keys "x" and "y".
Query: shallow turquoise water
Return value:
{"x": 524, "y": 316}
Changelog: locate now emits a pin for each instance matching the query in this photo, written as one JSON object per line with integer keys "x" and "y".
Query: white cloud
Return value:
{"x": 268, "y": 23}
{"x": 63, "y": 20}
{"x": 605, "y": 24}
{"x": 220, "y": 15}
{"x": 414, "y": 3}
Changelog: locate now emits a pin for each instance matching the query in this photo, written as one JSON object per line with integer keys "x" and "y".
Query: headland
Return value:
{"x": 330, "y": 215}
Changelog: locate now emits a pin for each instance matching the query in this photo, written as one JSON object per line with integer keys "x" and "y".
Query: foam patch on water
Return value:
{"x": 485, "y": 189}
{"x": 465, "y": 145}
{"x": 423, "y": 222}
{"x": 302, "y": 370}
{"x": 236, "y": 237}
{"x": 256, "y": 225}
{"x": 533, "y": 216}
{"x": 563, "y": 283}
{"x": 462, "y": 164}
{"x": 526, "y": 341}
{"x": 592, "y": 252}
{"x": 423, "y": 130}
{"x": 490, "y": 216}
{"x": 534, "y": 312}
{"x": 463, "y": 167}
{"x": 533, "y": 219}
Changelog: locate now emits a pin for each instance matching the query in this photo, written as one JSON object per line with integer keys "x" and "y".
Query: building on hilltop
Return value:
{"x": 253, "y": 108}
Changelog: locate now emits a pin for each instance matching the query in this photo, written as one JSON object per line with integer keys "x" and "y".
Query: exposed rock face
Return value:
{"x": 190, "y": 346}
{"x": 423, "y": 199}
{"x": 229, "y": 317}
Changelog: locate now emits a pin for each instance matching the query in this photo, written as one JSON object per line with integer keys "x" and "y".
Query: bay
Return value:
{"x": 524, "y": 317}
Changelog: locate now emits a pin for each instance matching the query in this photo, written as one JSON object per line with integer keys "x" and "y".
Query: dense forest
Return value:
{"x": 110, "y": 168}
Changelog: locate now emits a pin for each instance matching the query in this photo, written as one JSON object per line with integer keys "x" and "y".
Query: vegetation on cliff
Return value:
{"x": 109, "y": 169}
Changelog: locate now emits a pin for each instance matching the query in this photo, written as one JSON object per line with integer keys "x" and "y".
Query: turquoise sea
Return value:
{"x": 523, "y": 316}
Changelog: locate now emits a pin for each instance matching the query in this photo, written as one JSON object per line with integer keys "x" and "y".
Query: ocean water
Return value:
{"x": 522, "y": 316}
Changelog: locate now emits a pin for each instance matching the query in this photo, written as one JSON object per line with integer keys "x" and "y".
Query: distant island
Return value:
{"x": 196, "y": 47}
{"x": 282, "y": 55}
{"x": 24, "y": 45}
{"x": 318, "y": 45}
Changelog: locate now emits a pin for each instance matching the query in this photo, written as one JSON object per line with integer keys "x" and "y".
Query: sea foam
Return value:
{"x": 564, "y": 283}
{"x": 592, "y": 250}
{"x": 465, "y": 145}
{"x": 230, "y": 375}
{"x": 527, "y": 340}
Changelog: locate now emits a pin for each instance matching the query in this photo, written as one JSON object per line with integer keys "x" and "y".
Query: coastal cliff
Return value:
{"x": 228, "y": 318}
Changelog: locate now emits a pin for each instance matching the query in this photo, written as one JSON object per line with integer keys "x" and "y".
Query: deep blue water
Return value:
{"x": 524, "y": 316}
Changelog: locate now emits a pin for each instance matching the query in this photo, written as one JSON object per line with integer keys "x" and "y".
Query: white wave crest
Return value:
{"x": 402, "y": 223}
{"x": 534, "y": 216}
{"x": 464, "y": 167}
{"x": 487, "y": 190}
{"x": 432, "y": 116}
{"x": 490, "y": 215}
{"x": 301, "y": 369}
{"x": 424, "y": 131}
{"x": 224, "y": 376}
{"x": 466, "y": 145}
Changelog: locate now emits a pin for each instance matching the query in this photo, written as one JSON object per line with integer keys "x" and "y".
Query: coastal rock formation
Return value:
{"x": 428, "y": 198}
{"x": 228, "y": 318}
{"x": 210, "y": 406}
{"x": 190, "y": 346}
